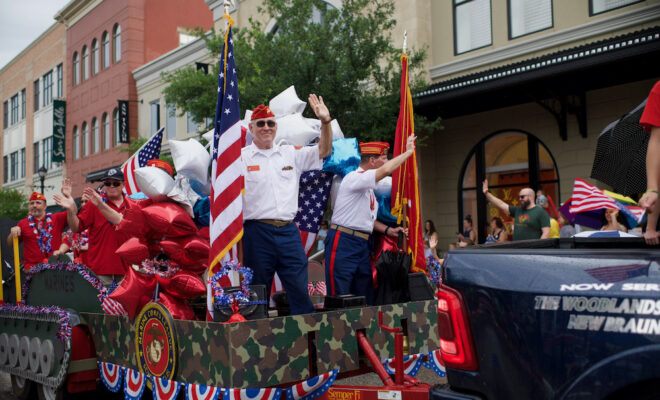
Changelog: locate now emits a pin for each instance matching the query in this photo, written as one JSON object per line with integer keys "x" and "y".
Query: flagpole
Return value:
{"x": 405, "y": 41}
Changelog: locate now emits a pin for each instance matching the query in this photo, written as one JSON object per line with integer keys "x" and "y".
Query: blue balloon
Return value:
{"x": 385, "y": 211}
{"x": 202, "y": 211}
{"x": 345, "y": 157}
{"x": 138, "y": 196}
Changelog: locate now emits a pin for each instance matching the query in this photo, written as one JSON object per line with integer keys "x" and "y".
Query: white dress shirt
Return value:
{"x": 356, "y": 206}
{"x": 272, "y": 178}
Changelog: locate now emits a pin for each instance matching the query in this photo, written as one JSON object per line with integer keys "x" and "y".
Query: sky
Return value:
{"x": 22, "y": 21}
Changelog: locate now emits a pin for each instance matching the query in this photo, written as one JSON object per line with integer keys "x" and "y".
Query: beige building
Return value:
{"x": 28, "y": 86}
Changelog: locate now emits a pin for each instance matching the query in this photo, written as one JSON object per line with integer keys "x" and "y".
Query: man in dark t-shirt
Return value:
{"x": 529, "y": 220}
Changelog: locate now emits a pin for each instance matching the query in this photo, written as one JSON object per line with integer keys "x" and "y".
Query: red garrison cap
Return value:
{"x": 162, "y": 164}
{"x": 261, "y": 111}
{"x": 375, "y": 148}
{"x": 37, "y": 196}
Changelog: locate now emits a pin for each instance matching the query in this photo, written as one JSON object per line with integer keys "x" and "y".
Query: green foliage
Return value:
{"x": 13, "y": 204}
{"x": 348, "y": 58}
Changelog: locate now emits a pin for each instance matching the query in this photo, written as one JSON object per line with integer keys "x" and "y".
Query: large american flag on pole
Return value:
{"x": 148, "y": 151}
{"x": 312, "y": 200}
{"x": 227, "y": 182}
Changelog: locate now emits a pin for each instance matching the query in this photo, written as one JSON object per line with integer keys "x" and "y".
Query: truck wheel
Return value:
{"x": 48, "y": 393}
{"x": 23, "y": 388}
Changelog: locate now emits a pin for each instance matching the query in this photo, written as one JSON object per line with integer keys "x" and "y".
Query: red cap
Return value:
{"x": 37, "y": 196}
{"x": 261, "y": 111}
{"x": 375, "y": 148}
{"x": 162, "y": 164}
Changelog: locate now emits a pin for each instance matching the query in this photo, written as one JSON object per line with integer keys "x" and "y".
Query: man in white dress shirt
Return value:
{"x": 271, "y": 241}
{"x": 347, "y": 246}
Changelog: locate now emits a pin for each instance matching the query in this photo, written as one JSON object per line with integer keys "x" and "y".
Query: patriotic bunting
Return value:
{"x": 411, "y": 364}
{"x": 112, "y": 307}
{"x": 435, "y": 363}
{"x": 202, "y": 392}
{"x": 164, "y": 389}
{"x": 252, "y": 394}
{"x": 134, "y": 383}
{"x": 312, "y": 388}
{"x": 111, "y": 375}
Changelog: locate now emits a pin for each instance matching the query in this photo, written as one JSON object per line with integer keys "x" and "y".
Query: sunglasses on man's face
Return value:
{"x": 262, "y": 123}
{"x": 108, "y": 184}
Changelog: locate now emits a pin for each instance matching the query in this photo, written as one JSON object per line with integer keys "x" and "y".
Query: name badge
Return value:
{"x": 252, "y": 168}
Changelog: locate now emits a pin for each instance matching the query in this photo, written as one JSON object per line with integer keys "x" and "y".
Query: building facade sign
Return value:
{"x": 59, "y": 130}
{"x": 123, "y": 121}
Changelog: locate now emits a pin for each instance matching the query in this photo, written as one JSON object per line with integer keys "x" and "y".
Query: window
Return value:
{"x": 76, "y": 143}
{"x": 105, "y": 50}
{"x": 96, "y": 62}
{"x": 23, "y": 104}
{"x": 36, "y": 95}
{"x": 170, "y": 121}
{"x": 85, "y": 63}
{"x": 95, "y": 136}
{"x": 5, "y": 114}
{"x": 22, "y": 161}
{"x": 105, "y": 132}
{"x": 115, "y": 125}
{"x": 511, "y": 160}
{"x": 155, "y": 115}
{"x": 116, "y": 42}
{"x": 528, "y": 16}
{"x": 14, "y": 109}
{"x": 84, "y": 140}
{"x": 5, "y": 169}
{"x": 48, "y": 88}
{"x": 14, "y": 165}
{"x": 472, "y": 25}
{"x": 47, "y": 152}
{"x": 60, "y": 81}
{"x": 35, "y": 152}
{"x": 191, "y": 125}
{"x": 76, "y": 69}
{"x": 601, "y": 6}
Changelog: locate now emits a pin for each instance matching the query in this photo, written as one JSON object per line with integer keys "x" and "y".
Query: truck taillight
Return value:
{"x": 455, "y": 337}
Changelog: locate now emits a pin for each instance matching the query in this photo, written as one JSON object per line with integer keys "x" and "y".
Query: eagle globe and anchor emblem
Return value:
{"x": 155, "y": 342}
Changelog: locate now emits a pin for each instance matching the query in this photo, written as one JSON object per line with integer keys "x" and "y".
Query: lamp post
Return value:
{"x": 42, "y": 176}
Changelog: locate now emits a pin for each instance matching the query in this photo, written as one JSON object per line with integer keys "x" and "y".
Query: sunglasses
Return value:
{"x": 523, "y": 196}
{"x": 262, "y": 123}
{"x": 108, "y": 184}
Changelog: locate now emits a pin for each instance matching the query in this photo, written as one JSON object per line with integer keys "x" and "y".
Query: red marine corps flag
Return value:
{"x": 405, "y": 183}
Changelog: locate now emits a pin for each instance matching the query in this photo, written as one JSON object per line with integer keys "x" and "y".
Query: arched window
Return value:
{"x": 76, "y": 69}
{"x": 105, "y": 132}
{"x": 116, "y": 42}
{"x": 76, "y": 143}
{"x": 115, "y": 125}
{"x": 105, "y": 49}
{"x": 85, "y": 63}
{"x": 511, "y": 160}
{"x": 95, "y": 136}
{"x": 96, "y": 62}
{"x": 84, "y": 140}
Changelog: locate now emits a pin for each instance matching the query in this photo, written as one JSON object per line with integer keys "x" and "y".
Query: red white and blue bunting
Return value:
{"x": 164, "y": 389}
{"x": 411, "y": 364}
{"x": 134, "y": 383}
{"x": 312, "y": 388}
{"x": 111, "y": 375}
{"x": 434, "y": 362}
{"x": 202, "y": 392}
{"x": 252, "y": 394}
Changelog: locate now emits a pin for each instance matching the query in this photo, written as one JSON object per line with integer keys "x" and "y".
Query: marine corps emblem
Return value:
{"x": 155, "y": 341}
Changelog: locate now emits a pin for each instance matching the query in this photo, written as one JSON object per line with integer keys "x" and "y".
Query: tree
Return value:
{"x": 13, "y": 204}
{"x": 346, "y": 55}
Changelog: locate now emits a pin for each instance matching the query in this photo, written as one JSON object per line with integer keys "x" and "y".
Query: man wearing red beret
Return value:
{"x": 347, "y": 265}
{"x": 272, "y": 175}
{"x": 40, "y": 232}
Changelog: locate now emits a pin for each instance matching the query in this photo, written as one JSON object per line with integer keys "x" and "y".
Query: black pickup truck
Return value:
{"x": 571, "y": 318}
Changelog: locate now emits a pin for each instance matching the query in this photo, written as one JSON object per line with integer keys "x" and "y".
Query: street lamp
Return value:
{"x": 42, "y": 176}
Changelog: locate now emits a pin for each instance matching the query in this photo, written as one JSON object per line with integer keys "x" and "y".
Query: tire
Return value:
{"x": 47, "y": 393}
{"x": 22, "y": 388}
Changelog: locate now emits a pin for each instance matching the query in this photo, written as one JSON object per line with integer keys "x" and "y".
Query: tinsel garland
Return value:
{"x": 63, "y": 333}
{"x": 242, "y": 296}
{"x": 45, "y": 234}
{"x": 433, "y": 267}
{"x": 165, "y": 269}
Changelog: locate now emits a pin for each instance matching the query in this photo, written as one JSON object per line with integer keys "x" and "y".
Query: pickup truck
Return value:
{"x": 574, "y": 318}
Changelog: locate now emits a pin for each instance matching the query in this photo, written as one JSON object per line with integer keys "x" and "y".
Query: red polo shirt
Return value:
{"x": 32, "y": 254}
{"x": 104, "y": 240}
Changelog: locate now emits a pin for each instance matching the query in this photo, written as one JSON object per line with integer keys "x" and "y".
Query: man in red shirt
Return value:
{"x": 40, "y": 232}
{"x": 104, "y": 240}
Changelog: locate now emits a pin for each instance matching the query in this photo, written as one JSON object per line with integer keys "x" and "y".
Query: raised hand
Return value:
{"x": 66, "y": 187}
{"x": 320, "y": 109}
{"x": 484, "y": 186}
{"x": 65, "y": 202}
{"x": 92, "y": 196}
{"x": 410, "y": 143}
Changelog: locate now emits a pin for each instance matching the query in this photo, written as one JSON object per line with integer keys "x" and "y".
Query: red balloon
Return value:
{"x": 134, "y": 291}
{"x": 169, "y": 219}
{"x": 190, "y": 252}
{"x": 197, "y": 248}
{"x": 183, "y": 284}
{"x": 204, "y": 233}
{"x": 179, "y": 308}
{"x": 133, "y": 251}
{"x": 236, "y": 318}
{"x": 175, "y": 251}
{"x": 133, "y": 223}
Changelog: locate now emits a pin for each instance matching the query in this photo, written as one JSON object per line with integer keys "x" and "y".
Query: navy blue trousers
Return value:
{"x": 268, "y": 249}
{"x": 347, "y": 266}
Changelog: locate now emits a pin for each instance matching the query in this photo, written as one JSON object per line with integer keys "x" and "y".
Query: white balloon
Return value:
{"x": 191, "y": 159}
{"x": 287, "y": 103}
{"x": 154, "y": 182}
{"x": 384, "y": 186}
{"x": 293, "y": 129}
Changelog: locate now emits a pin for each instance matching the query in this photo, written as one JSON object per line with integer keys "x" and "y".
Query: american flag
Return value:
{"x": 587, "y": 197}
{"x": 618, "y": 273}
{"x": 148, "y": 151}
{"x": 312, "y": 200}
{"x": 227, "y": 182}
